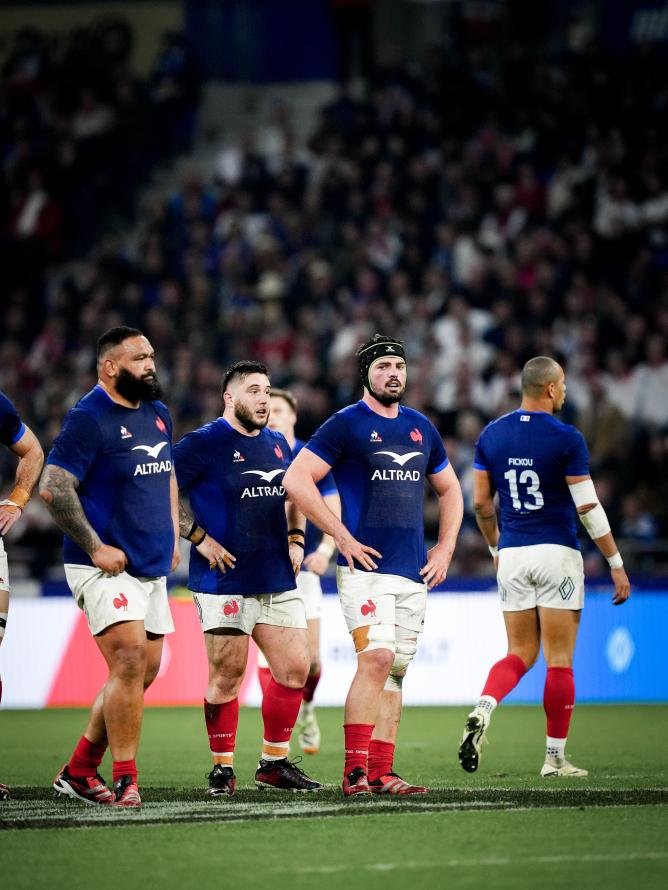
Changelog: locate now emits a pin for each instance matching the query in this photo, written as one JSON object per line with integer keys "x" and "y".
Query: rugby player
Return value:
{"x": 231, "y": 470}
{"x": 380, "y": 453}
{"x": 16, "y": 436}
{"x": 111, "y": 488}
{"x": 540, "y": 468}
{"x": 318, "y": 551}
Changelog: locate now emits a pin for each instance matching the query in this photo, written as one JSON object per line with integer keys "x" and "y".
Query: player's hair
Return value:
{"x": 284, "y": 394}
{"x": 375, "y": 341}
{"x": 113, "y": 337}
{"x": 537, "y": 373}
{"x": 242, "y": 369}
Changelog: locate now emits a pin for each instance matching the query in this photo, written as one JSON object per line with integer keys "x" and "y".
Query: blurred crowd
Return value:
{"x": 485, "y": 209}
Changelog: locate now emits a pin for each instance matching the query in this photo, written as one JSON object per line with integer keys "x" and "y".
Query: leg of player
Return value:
{"x": 263, "y": 671}
{"x": 307, "y": 723}
{"x": 4, "y": 609}
{"x": 523, "y": 634}
{"x": 227, "y": 653}
{"x": 559, "y": 630}
{"x": 286, "y": 650}
{"x": 381, "y": 776}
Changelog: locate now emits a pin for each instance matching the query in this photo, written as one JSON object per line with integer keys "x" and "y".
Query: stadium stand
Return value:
{"x": 485, "y": 211}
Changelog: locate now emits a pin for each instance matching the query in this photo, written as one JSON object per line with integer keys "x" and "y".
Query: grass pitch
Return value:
{"x": 502, "y": 827}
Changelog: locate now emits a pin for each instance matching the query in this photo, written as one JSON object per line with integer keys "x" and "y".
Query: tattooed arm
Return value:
{"x": 31, "y": 458}
{"x": 208, "y": 547}
{"x": 58, "y": 491}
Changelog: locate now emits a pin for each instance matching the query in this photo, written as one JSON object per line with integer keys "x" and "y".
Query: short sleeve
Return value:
{"x": 480, "y": 461}
{"x": 11, "y": 427}
{"x": 191, "y": 457}
{"x": 78, "y": 444}
{"x": 438, "y": 459}
{"x": 329, "y": 442}
{"x": 327, "y": 485}
{"x": 577, "y": 455}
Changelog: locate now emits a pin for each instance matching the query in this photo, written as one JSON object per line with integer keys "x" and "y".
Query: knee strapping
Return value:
{"x": 406, "y": 647}
{"x": 374, "y": 636}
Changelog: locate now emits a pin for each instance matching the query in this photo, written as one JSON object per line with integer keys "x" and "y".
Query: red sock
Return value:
{"x": 310, "y": 686}
{"x": 280, "y": 707}
{"x": 381, "y": 758}
{"x": 221, "y": 725}
{"x": 264, "y": 676}
{"x": 558, "y": 700}
{"x": 504, "y": 677}
{"x": 86, "y": 758}
{"x": 125, "y": 768}
{"x": 357, "y": 740}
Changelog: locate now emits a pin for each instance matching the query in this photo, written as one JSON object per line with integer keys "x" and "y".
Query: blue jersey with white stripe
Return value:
{"x": 379, "y": 466}
{"x": 122, "y": 458}
{"x": 327, "y": 485}
{"x": 234, "y": 483}
{"x": 528, "y": 454}
{"x": 11, "y": 427}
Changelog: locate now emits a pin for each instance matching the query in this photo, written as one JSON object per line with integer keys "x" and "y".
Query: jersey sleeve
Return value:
{"x": 438, "y": 459}
{"x": 191, "y": 457}
{"x": 78, "y": 444}
{"x": 577, "y": 455}
{"x": 330, "y": 440}
{"x": 11, "y": 427}
{"x": 480, "y": 461}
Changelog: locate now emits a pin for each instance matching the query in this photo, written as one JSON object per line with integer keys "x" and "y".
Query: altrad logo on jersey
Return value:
{"x": 263, "y": 491}
{"x": 154, "y": 466}
{"x": 397, "y": 475}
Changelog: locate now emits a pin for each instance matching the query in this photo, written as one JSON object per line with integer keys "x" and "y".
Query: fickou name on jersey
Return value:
{"x": 520, "y": 461}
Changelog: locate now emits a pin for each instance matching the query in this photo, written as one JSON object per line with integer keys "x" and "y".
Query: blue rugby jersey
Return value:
{"x": 313, "y": 535}
{"x": 11, "y": 427}
{"x": 379, "y": 466}
{"x": 235, "y": 487}
{"x": 122, "y": 458}
{"x": 528, "y": 454}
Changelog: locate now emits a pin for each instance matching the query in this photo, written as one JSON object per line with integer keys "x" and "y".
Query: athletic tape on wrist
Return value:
{"x": 493, "y": 550}
{"x": 615, "y": 561}
{"x": 596, "y": 522}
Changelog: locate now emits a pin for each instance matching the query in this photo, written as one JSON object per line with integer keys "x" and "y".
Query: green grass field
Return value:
{"x": 502, "y": 827}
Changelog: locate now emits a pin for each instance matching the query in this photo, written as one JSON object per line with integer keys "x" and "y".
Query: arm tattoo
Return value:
{"x": 185, "y": 518}
{"x": 58, "y": 491}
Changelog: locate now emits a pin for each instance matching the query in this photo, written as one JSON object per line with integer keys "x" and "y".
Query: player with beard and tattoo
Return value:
{"x": 110, "y": 486}
{"x": 231, "y": 470}
{"x": 381, "y": 454}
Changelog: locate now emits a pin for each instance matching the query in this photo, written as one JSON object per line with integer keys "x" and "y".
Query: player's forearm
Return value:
{"x": 174, "y": 505}
{"x": 294, "y": 516}
{"x": 485, "y": 517}
{"x": 304, "y": 493}
{"x": 606, "y": 544}
{"x": 450, "y": 515}
{"x": 29, "y": 468}
{"x": 58, "y": 491}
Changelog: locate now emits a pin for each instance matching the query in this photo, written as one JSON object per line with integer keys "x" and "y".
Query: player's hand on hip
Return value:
{"x": 111, "y": 560}
{"x": 622, "y": 586}
{"x": 9, "y": 514}
{"x": 217, "y": 555}
{"x": 353, "y": 551}
{"x": 316, "y": 562}
{"x": 436, "y": 568}
{"x": 296, "y": 556}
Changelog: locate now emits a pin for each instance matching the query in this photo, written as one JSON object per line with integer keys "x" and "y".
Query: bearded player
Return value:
{"x": 381, "y": 453}
{"x": 16, "y": 436}
{"x": 110, "y": 486}
{"x": 232, "y": 472}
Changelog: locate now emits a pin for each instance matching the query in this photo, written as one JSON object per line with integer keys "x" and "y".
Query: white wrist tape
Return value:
{"x": 596, "y": 522}
{"x": 493, "y": 550}
{"x": 615, "y": 561}
{"x": 326, "y": 549}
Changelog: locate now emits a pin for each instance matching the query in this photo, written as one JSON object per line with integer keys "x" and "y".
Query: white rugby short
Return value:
{"x": 549, "y": 575}
{"x": 237, "y": 612}
{"x": 4, "y": 568}
{"x": 310, "y": 590}
{"x": 372, "y": 598}
{"x": 107, "y": 600}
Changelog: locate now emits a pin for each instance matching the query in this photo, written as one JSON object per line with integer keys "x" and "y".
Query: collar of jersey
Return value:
{"x": 523, "y": 411}
{"x": 236, "y": 432}
{"x": 109, "y": 399}
{"x": 364, "y": 405}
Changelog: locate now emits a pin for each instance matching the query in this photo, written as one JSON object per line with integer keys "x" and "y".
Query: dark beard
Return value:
{"x": 247, "y": 420}
{"x": 137, "y": 389}
{"x": 388, "y": 399}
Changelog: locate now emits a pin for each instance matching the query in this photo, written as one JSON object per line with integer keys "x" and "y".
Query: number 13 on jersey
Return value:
{"x": 531, "y": 480}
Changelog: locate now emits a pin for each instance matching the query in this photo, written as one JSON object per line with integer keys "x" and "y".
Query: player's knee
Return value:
{"x": 292, "y": 674}
{"x": 406, "y": 642}
{"x": 314, "y": 667}
{"x": 528, "y": 654}
{"x": 129, "y": 661}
